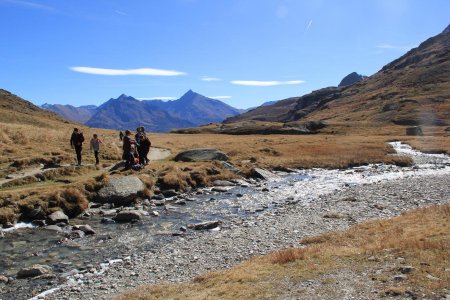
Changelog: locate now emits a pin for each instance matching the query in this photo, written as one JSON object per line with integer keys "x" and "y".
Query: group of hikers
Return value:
{"x": 135, "y": 149}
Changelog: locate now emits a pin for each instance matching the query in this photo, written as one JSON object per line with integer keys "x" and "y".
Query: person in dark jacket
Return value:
{"x": 127, "y": 142}
{"x": 143, "y": 145}
{"x": 76, "y": 141}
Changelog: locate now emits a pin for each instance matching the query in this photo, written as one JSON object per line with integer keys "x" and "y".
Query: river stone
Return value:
{"x": 58, "y": 217}
{"x": 121, "y": 190}
{"x": 128, "y": 216}
{"x": 262, "y": 174}
{"x": 85, "y": 228}
{"x": 169, "y": 193}
{"x": 33, "y": 271}
{"x": 53, "y": 228}
{"x": 220, "y": 189}
{"x": 201, "y": 154}
{"x": 222, "y": 183}
{"x": 230, "y": 167}
{"x": 76, "y": 234}
{"x": 205, "y": 225}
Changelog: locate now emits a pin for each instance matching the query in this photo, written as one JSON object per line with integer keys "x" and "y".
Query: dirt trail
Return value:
{"x": 158, "y": 153}
{"x": 155, "y": 154}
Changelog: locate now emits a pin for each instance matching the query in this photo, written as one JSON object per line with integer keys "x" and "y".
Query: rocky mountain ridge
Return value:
{"x": 126, "y": 112}
{"x": 411, "y": 90}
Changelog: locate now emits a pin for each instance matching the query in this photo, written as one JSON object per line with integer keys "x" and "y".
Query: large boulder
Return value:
{"x": 415, "y": 130}
{"x": 201, "y": 155}
{"x": 121, "y": 190}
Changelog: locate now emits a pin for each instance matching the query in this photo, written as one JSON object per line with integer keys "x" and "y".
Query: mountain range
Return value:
{"x": 411, "y": 90}
{"x": 126, "y": 112}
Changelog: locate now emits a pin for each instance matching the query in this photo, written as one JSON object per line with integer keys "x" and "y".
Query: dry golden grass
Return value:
{"x": 24, "y": 146}
{"x": 419, "y": 236}
{"x": 271, "y": 151}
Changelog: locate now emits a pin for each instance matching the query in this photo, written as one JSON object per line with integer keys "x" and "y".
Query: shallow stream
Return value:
{"x": 27, "y": 246}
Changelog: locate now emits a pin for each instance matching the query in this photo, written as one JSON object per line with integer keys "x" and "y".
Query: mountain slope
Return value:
{"x": 413, "y": 89}
{"x": 126, "y": 112}
{"x": 77, "y": 114}
{"x": 14, "y": 109}
{"x": 197, "y": 108}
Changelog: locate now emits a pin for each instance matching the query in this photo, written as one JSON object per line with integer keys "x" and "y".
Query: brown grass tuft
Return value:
{"x": 72, "y": 201}
{"x": 7, "y": 215}
{"x": 288, "y": 255}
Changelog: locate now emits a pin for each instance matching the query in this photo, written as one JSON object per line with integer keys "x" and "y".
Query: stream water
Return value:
{"x": 21, "y": 247}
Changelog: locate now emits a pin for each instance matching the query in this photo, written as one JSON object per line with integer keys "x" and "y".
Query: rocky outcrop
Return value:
{"x": 351, "y": 78}
{"x": 203, "y": 154}
{"x": 121, "y": 190}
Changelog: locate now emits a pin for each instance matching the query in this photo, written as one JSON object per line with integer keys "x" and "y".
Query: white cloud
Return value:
{"x": 123, "y": 72}
{"x": 158, "y": 98}
{"x": 119, "y": 12}
{"x": 282, "y": 11}
{"x": 208, "y": 78}
{"x": 29, "y": 4}
{"x": 265, "y": 83}
{"x": 394, "y": 47}
{"x": 309, "y": 26}
{"x": 220, "y": 97}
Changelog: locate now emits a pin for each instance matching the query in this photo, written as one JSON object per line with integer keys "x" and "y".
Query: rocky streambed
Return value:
{"x": 245, "y": 218}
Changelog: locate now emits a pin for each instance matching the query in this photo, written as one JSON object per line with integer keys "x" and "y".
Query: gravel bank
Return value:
{"x": 189, "y": 256}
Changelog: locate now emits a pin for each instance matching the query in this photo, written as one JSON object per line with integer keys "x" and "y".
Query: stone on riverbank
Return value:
{"x": 205, "y": 225}
{"x": 129, "y": 216}
{"x": 121, "y": 190}
{"x": 33, "y": 271}
{"x": 53, "y": 228}
{"x": 85, "y": 228}
{"x": 222, "y": 183}
{"x": 202, "y": 154}
{"x": 262, "y": 174}
{"x": 58, "y": 217}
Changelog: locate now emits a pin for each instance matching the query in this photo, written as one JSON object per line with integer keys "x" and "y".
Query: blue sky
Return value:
{"x": 244, "y": 52}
